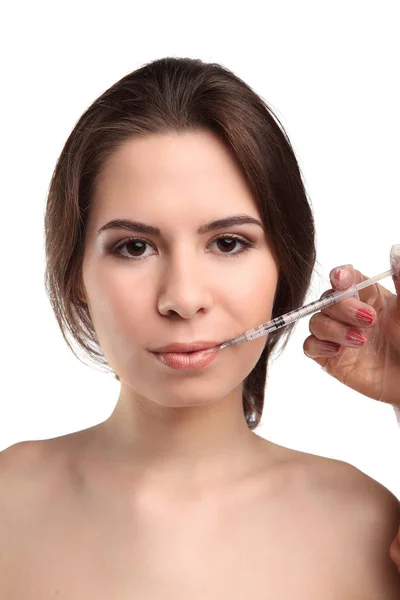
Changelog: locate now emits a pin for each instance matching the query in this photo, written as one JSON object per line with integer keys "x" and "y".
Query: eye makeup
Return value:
{"x": 115, "y": 249}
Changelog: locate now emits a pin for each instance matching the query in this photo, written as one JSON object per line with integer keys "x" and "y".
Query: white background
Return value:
{"x": 329, "y": 70}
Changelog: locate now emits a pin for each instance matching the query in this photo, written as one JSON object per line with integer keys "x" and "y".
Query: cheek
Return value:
{"x": 254, "y": 292}
{"x": 119, "y": 308}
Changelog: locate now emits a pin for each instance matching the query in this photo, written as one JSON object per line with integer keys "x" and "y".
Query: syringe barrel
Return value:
{"x": 299, "y": 313}
{"x": 313, "y": 307}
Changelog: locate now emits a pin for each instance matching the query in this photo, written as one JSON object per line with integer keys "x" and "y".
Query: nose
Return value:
{"x": 185, "y": 287}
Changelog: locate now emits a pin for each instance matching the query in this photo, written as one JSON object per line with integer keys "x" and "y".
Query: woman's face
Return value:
{"x": 180, "y": 285}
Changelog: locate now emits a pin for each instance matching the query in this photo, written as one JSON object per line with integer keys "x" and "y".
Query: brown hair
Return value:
{"x": 177, "y": 95}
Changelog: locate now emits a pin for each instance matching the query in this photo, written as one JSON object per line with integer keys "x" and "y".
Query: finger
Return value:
{"x": 344, "y": 276}
{"x": 395, "y": 264}
{"x": 351, "y": 311}
{"x": 329, "y": 330}
{"x": 315, "y": 348}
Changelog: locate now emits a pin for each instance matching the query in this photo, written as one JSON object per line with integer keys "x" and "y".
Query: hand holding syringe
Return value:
{"x": 307, "y": 309}
{"x": 370, "y": 365}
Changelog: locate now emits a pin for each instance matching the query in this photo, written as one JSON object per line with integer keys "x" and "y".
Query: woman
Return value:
{"x": 172, "y": 173}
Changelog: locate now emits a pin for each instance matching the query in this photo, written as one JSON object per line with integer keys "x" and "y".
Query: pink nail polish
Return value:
{"x": 341, "y": 272}
{"x": 356, "y": 338}
{"x": 365, "y": 315}
{"x": 339, "y": 275}
{"x": 329, "y": 348}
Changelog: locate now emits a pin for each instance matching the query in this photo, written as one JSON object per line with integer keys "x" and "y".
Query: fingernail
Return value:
{"x": 339, "y": 275}
{"x": 329, "y": 348}
{"x": 341, "y": 272}
{"x": 356, "y": 338}
{"x": 365, "y": 315}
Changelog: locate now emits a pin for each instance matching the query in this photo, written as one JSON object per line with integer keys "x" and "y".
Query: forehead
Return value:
{"x": 189, "y": 174}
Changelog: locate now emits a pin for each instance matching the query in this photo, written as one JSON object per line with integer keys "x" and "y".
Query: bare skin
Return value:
{"x": 293, "y": 525}
{"x": 173, "y": 497}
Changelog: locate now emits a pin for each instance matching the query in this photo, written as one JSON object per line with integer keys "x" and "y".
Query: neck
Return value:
{"x": 195, "y": 445}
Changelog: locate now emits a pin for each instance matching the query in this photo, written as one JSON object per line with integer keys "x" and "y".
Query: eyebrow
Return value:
{"x": 138, "y": 227}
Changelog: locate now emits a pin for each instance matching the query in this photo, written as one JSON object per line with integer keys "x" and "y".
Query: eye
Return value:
{"x": 230, "y": 241}
{"x": 137, "y": 245}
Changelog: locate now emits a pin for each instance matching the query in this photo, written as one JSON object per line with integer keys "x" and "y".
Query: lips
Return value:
{"x": 187, "y": 361}
{"x": 190, "y": 347}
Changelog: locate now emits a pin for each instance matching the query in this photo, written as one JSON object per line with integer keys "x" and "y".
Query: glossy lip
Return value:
{"x": 187, "y": 361}
{"x": 192, "y": 347}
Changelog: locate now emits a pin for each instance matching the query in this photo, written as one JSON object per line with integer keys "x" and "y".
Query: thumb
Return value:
{"x": 395, "y": 264}
{"x": 343, "y": 277}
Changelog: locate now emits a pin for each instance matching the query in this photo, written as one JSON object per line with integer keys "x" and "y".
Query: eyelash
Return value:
{"x": 246, "y": 246}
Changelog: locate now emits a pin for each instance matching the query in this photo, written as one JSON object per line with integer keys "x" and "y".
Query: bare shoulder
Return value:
{"x": 369, "y": 516}
{"x": 19, "y": 465}
{"x": 353, "y": 517}
{"x": 343, "y": 482}
{"x": 33, "y": 479}
{"x": 17, "y": 460}
{"x": 358, "y": 494}
{"x": 26, "y": 461}
{"x": 31, "y": 473}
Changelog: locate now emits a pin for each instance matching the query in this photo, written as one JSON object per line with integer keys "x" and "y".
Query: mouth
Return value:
{"x": 188, "y": 361}
{"x": 189, "y": 348}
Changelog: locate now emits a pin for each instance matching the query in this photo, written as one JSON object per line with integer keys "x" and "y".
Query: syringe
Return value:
{"x": 307, "y": 309}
